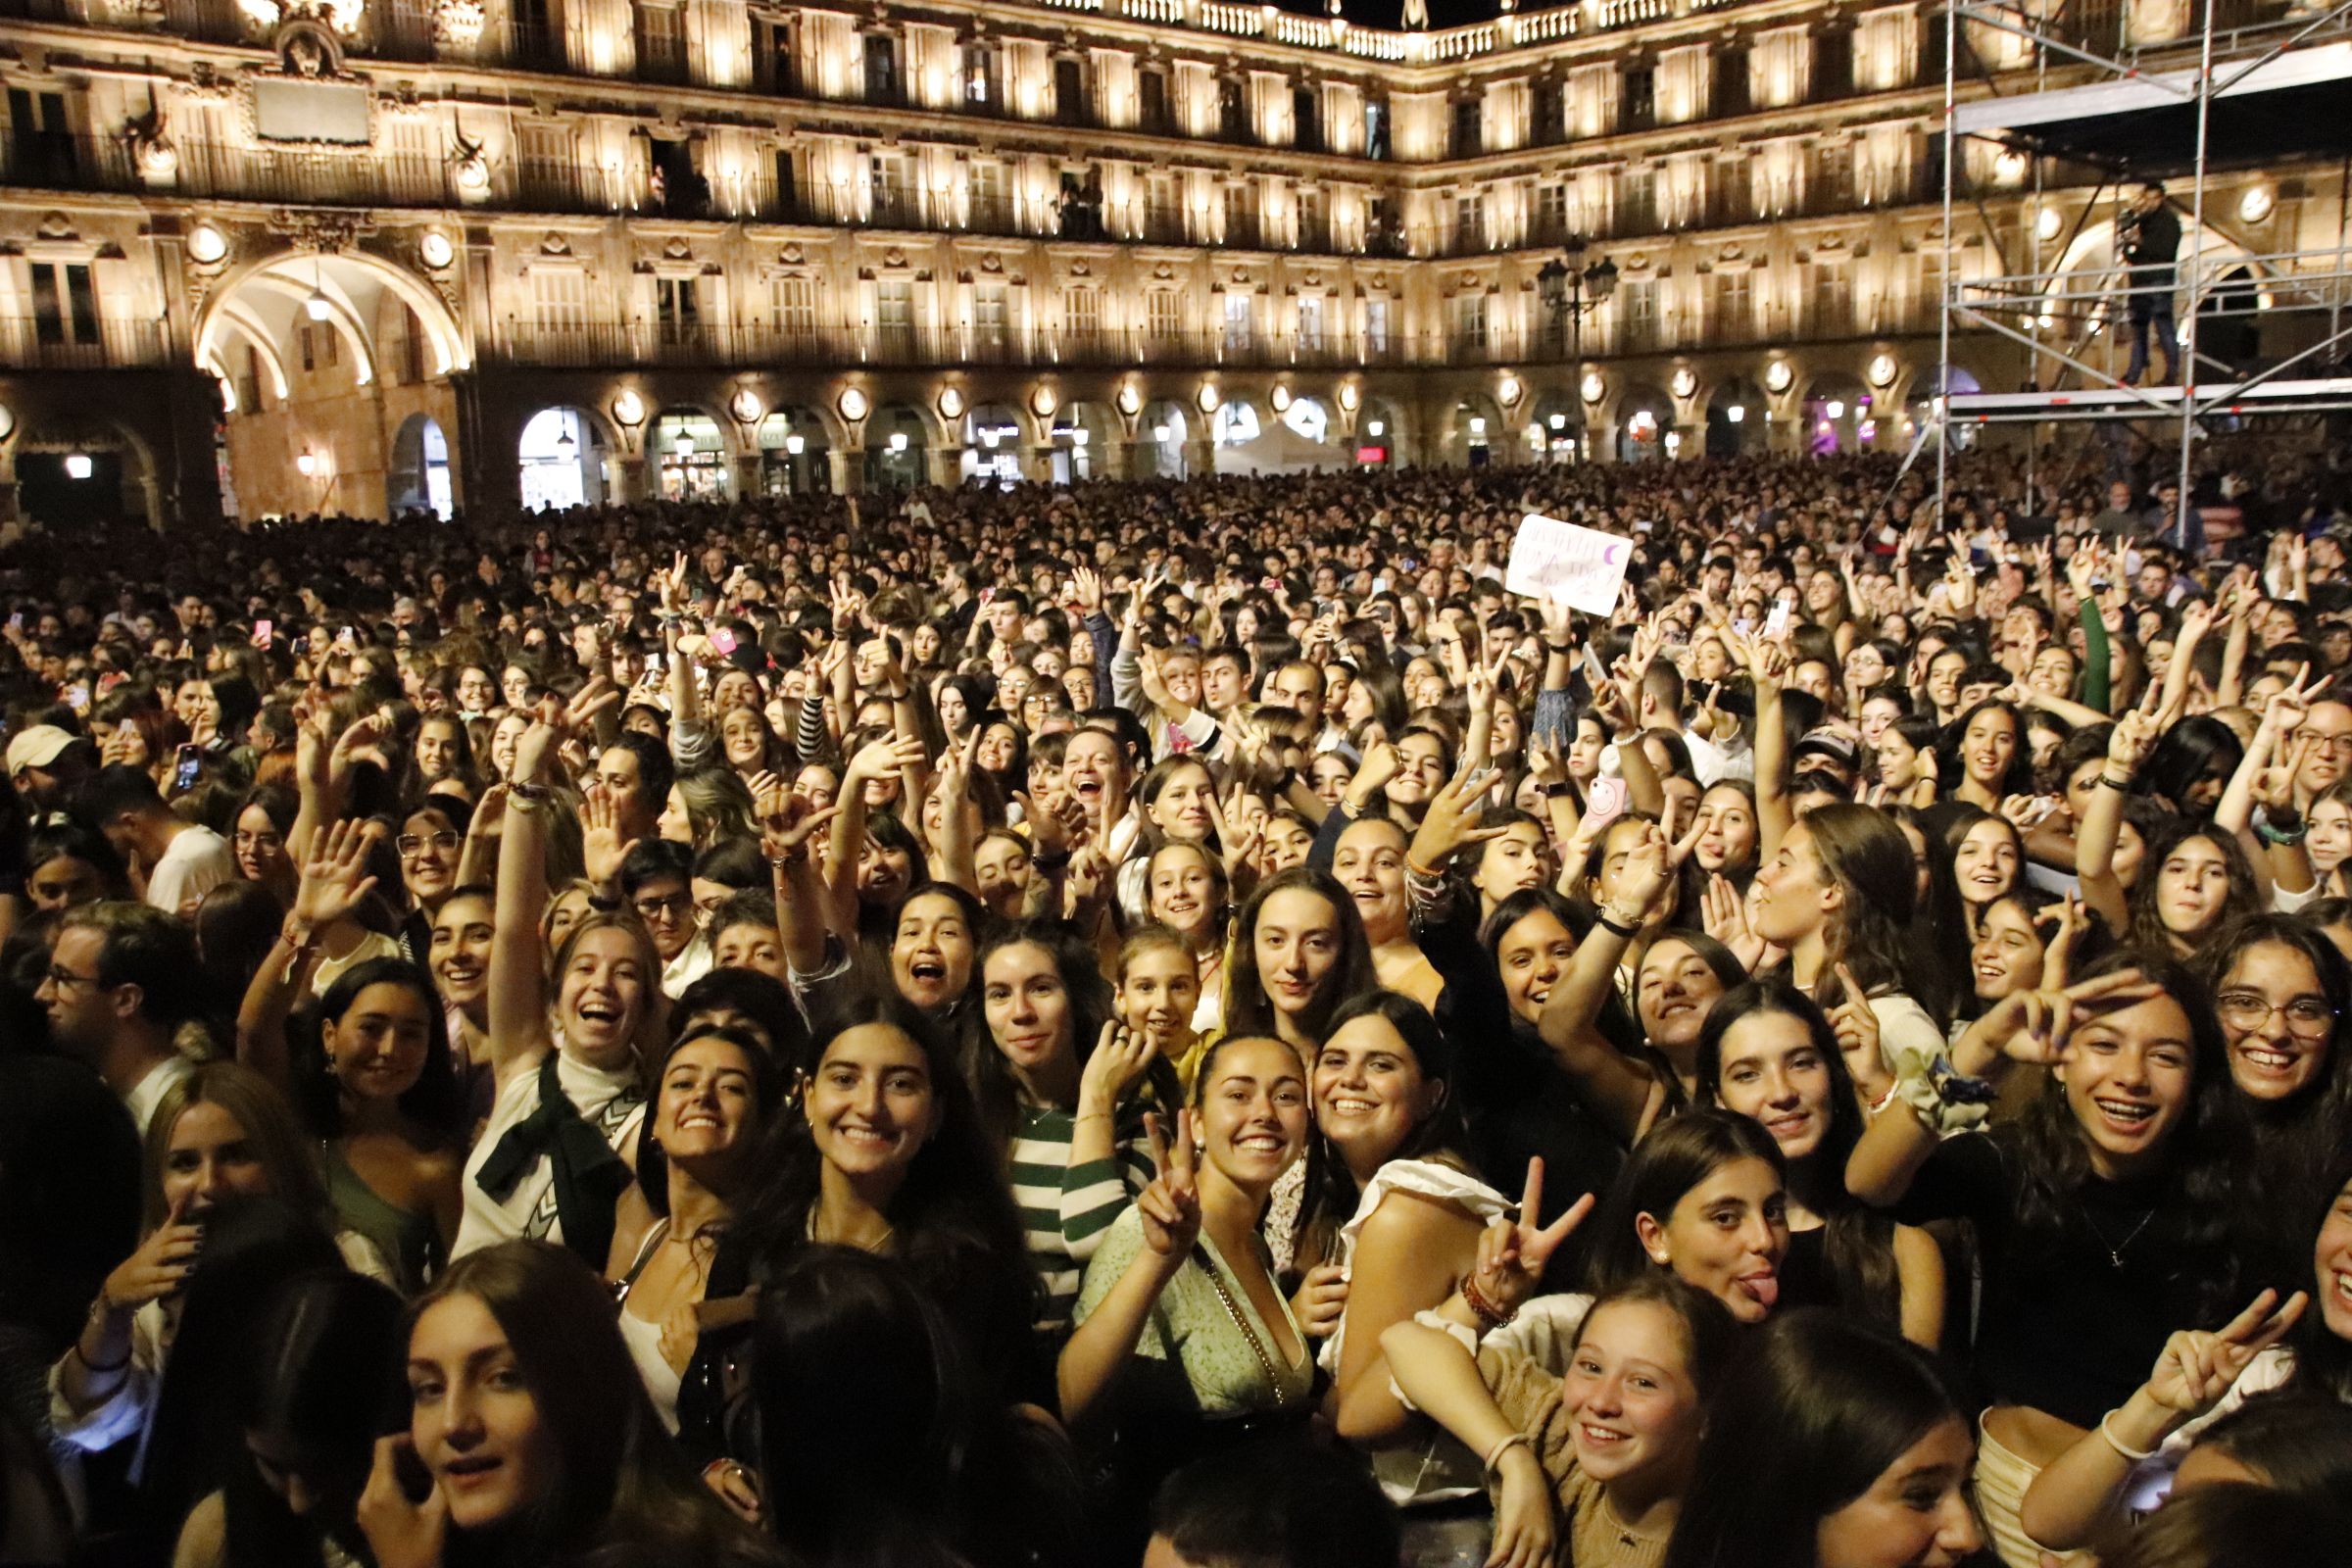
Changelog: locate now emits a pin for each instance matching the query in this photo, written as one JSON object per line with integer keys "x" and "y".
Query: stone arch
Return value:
{"x": 271, "y": 297}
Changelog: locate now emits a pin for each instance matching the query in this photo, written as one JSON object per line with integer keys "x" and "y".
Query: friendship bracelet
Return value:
{"x": 1479, "y": 1302}
{"x": 102, "y": 1371}
{"x": 2122, "y": 784}
{"x": 1423, "y": 872}
{"x": 1600, "y": 918}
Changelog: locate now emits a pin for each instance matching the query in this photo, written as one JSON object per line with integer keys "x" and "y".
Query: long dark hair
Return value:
{"x": 1248, "y": 1012}
{"x": 252, "y": 1246}
{"x": 956, "y": 1225}
{"x": 1662, "y": 1168}
{"x": 1812, "y": 1415}
{"x": 1858, "y": 1241}
{"x": 1331, "y": 1195}
{"x": 1864, "y": 852}
{"x": 621, "y": 1481}
{"x": 878, "y": 1444}
{"x": 325, "y": 1385}
{"x": 2323, "y": 1362}
{"x": 1951, "y": 765}
{"x": 434, "y": 1102}
{"x": 993, "y": 1090}
{"x": 2197, "y": 748}
{"x": 767, "y": 1092}
{"x": 2326, "y": 1108}
{"x": 2055, "y": 1158}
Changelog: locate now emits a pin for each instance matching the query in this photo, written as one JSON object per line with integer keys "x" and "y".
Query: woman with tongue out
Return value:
{"x": 2102, "y": 1213}
{"x": 1767, "y": 1053}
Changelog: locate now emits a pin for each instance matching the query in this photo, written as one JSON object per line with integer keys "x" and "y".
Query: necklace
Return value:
{"x": 880, "y": 1244}
{"x": 2115, "y": 1253}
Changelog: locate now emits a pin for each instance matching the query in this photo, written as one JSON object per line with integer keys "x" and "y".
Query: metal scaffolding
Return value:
{"x": 2253, "y": 95}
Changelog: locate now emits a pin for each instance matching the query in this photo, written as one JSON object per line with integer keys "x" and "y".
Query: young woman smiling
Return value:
{"x": 1299, "y": 952}
{"x": 1369, "y": 862}
{"x": 2303, "y": 1345}
{"x": 535, "y": 1440}
{"x": 1767, "y": 1053}
{"x": 1830, "y": 1446}
{"x": 1184, "y": 1340}
{"x": 1398, "y": 1208}
{"x": 713, "y": 1096}
{"x": 1053, "y": 1078}
{"x": 1160, "y": 997}
{"x": 1597, "y": 1457}
{"x": 562, "y": 1066}
{"x": 2100, "y": 1212}
{"x": 1187, "y": 892}
{"x": 1705, "y": 1198}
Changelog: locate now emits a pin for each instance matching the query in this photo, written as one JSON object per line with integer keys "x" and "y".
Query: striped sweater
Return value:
{"x": 1066, "y": 1208}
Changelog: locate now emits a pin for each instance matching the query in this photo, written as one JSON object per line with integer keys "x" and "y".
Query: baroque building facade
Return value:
{"x": 297, "y": 256}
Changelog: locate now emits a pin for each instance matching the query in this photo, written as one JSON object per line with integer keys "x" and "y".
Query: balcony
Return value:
{"x": 38, "y": 343}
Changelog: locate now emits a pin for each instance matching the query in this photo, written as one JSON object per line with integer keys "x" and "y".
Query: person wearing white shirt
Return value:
{"x": 181, "y": 860}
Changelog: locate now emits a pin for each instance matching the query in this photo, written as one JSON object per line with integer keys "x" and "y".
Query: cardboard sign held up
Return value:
{"x": 1582, "y": 568}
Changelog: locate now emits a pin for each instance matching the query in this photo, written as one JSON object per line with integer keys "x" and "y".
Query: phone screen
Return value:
{"x": 723, "y": 640}
{"x": 183, "y": 775}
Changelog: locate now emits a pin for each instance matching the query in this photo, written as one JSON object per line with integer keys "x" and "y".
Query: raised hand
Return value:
{"x": 1857, "y": 1030}
{"x": 2045, "y": 1020}
{"x": 1119, "y": 1058}
{"x": 787, "y": 822}
{"x": 1444, "y": 829}
{"x": 1170, "y": 1205}
{"x": 334, "y": 879}
{"x": 1513, "y": 1250}
{"x": 159, "y": 1267}
{"x": 402, "y": 1533}
{"x": 602, "y": 848}
{"x": 2196, "y": 1368}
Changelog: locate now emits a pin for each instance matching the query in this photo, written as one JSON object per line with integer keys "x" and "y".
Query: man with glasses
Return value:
{"x": 115, "y": 995}
{"x": 2328, "y": 728}
{"x": 657, "y": 881}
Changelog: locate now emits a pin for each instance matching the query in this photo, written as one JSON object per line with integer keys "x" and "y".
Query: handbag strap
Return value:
{"x": 1241, "y": 1320}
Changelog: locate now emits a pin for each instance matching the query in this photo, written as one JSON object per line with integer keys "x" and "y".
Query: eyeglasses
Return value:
{"x": 2248, "y": 1010}
{"x": 261, "y": 841}
{"x": 2333, "y": 745}
{"x": 411, "y": 845}
{"x": 668, "y": 909}
{"x": 60, "y": 978}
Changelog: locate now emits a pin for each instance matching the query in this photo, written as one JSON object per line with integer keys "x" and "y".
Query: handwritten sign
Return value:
{"x": 1582, "y": 568}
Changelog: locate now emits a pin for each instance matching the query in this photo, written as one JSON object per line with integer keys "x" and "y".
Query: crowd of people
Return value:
{"x": 1189, "y": 1023}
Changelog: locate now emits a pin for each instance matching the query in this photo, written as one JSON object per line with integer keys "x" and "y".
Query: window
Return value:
{"x": 989, "y": 211}
{"x": 1241, "y": 215}
{"x": 1310, "y": 323}
{"x": 881, "y": 68}
{"x": 1735, "y": 304}
{"x": 1165, "y": 315}
{"x": 1376, "y": 128}
{"x": 412, "y": 346}
{"x": 1470, "y": 321}
{"x": 1081, "y": 315}
{"x": 893, "y": 201}
{"x": 310, "y": 360}
{"x": 1154, "y": 87}
{"x": 1069, "y": 91}
{"x": 64, "y": 305}
{"x": 548, "y": 173}
{"x": 1376, "y": 326}
{"x": 1466, "y": 127}
{"x": 785, "y": 200}
{"x": 1832, "y": 298}
{"x": 1238, "y": 331}
{"x": 894, "y": 315}
{"x": 992, "y": 328}
{"x": 660, "y": 43}
{"x": 1834, "y": 76}
{"x": 1639, "y": 213}
{"x": 40, "y": 144}
{"x": 1307, "y": 120}
{"x": 1639, "y": 296}
{"x": 1314, "y": 231}
{"x": 1549, "y": 112}
{"x": 1469, "y": 223}
{"x": 1551, "y": 213}
{"x": 1640, "y": 98}
{"x": 678, "y": 309}
{"x": 979, "y": 73}
{"x": 1233, "y": 114}
{"x": 794, "y": 302}
{"x": 1838, "y": 172}
{"x": 558, "y": 301}
{"x": 1730, "y": 80}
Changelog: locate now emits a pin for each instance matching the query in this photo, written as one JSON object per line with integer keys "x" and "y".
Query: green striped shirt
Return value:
{"x": 1064, "y": 1207}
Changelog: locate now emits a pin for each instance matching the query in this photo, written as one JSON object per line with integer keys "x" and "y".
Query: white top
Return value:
{"x": 644, "y": 1339}
{"x": 197, "y": 860}
{"x": 1428, "y": 1464}
{"x": 148, "y": 1093}
{"x": 606, "y": 1100}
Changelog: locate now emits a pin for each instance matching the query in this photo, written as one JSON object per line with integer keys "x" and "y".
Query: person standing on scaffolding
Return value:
{"x": 2150, "y": 233}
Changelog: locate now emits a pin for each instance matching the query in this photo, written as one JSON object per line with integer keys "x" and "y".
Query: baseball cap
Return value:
{"x": 1838, "y": 748}
{"x": 37, "y": 747}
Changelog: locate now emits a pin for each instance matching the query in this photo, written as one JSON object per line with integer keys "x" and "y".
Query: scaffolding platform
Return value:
{"x": 2154, "y": 401}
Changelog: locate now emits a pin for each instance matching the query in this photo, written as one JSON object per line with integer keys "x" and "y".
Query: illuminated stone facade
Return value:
{"x": 343, "y": 254}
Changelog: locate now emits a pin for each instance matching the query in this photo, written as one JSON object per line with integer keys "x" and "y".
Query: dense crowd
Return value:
{"x": 1189, "y": 1023}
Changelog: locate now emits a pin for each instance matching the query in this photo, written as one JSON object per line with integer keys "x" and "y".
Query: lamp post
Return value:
{"x": 1570, "y": 290}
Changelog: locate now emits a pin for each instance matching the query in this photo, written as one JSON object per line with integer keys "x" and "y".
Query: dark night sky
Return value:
{"x": 1384, "y": 12}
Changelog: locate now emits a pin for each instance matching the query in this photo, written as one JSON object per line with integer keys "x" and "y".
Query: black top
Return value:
{"x": 1805, "y": 1278}
{"x": 1517, "y": 1099}
{"x": 2153, "y": 241}
{"x": 2069, "y": 1322}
